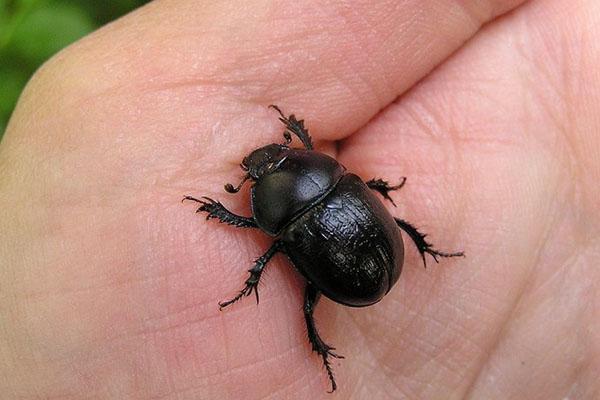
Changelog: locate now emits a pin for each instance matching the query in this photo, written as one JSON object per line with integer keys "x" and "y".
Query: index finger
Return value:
{"x": 336, "y": 63}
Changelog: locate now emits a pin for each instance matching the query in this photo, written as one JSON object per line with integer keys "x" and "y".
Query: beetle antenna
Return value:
{"x": 230, "y": 189}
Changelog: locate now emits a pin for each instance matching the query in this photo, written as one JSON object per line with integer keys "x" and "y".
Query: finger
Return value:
{"x": 500, "y": 147}
{"x": 335, "y": 63}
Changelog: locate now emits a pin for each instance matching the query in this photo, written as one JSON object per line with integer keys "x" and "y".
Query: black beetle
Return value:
{"x": 327, "y": 221}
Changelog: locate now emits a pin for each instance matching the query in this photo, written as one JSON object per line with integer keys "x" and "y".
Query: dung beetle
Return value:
{"x": 327, "y": 221}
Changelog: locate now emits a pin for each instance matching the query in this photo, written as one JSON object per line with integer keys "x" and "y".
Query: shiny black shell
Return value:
{"x": 347, "y": 244}
{"x": 298, "y": 181}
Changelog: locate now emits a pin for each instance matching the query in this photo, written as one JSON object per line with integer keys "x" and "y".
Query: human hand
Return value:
{"x": 109, "y": 286}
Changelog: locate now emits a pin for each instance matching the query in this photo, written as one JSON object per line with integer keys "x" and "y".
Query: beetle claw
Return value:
{"x": 223, "y": 304}
{"x": 191, "y": 199}
{"x": 335, "y": 355}
{"x": 330, "y": 375}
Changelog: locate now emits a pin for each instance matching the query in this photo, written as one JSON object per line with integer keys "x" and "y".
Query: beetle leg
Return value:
{"x": 381, "y": 186}
{"x": 255, "y": 274}
{"x": 422, "y": 245}
{"x": 294, "y": 126}
{"x": 218, "y": 211}
{"x": 311, "y": 297}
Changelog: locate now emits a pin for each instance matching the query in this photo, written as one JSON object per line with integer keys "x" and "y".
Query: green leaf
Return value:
{"x": 31, "y": 31}
{"x": 3, "y": 14}
{"x": 47, "y": 29}
{"x": 13, "y": 80}
{"x": 102, "y": 12}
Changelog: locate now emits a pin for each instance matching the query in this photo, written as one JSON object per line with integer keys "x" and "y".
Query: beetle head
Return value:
{"x": 264, "y": 160}
{"x": 260, "y": 162}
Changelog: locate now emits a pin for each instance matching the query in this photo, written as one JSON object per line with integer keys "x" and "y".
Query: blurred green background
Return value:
{"x": 31, "y": 31}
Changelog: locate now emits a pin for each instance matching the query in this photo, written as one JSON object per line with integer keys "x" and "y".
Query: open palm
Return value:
{"x": 109, "y": 285}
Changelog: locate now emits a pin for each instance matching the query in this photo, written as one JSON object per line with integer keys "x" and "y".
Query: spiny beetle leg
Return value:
{"x": 422, "y": 245}
{"x": 214, "y": 209}
{"x": 294, "y": 126}
{"x": 311, "y": 297}
{"x": 383, "y": 187}
{"x": 255, "y": 274}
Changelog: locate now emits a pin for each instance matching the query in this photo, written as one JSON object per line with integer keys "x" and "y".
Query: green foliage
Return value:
{"x": 31, "y": 31}
{"x": 47, "y": 29}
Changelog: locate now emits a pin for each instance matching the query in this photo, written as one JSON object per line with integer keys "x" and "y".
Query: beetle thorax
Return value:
{"x": 290, "y": 183}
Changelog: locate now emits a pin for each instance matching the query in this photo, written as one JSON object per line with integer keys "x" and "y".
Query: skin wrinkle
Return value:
{"x": 366, "y": 341}
{"x": 254, "y": 364}
{"x": 169, "y": 369}
{"x": 370, "y": 28}
{"x": 125, "y": 284}
{"x": 437, "y": 355}
{"x": 502, "y": 335}
{"x": 547, "y": 105}
{"x": 292, "y": 45}
{"x": 241, "y": 368}
{"x": 353, "y": 393}
{"x": 571, "y": 150}
{"x": 286, "y": 386}
{"x": 205, "y": 318}
{"x": 543, "y": 358}
{"x": 366, "y": 345}
{"x": 559, "y": 272}
{"x": 505, "y": 327}
{"x": 42, "y": 297}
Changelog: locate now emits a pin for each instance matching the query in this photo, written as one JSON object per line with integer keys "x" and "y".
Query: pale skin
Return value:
{"x": 109, "y": 285}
